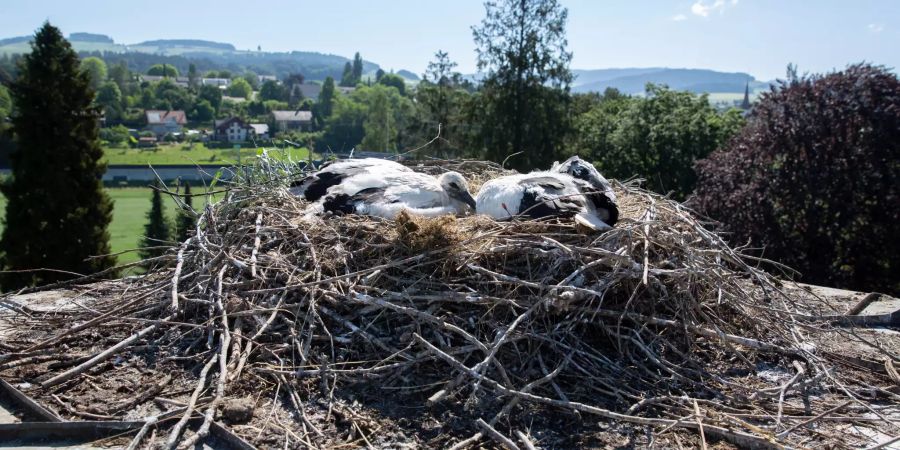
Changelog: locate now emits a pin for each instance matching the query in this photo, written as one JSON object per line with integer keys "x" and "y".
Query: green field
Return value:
{"x": 193, "y": 154}
{"x": 129, "y": 217}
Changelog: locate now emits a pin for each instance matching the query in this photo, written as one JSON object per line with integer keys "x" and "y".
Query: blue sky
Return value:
{"x": 755, "y": 36}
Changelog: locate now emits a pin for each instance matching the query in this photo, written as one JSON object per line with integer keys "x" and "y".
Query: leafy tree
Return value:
{"x": 171, "y": 96}
{"x": 157, "y": 231}
{"x": 378, "y": 74}
{"x": 357, "y": 68}
{"x": 202, "y": 111}
{"x": 5, "y": 103}
{"x": 658, "y": 137}
{"x": 395, "y": 81}
{"x": 271, "y": 90}
{"x": 813, "y": 178}
{"x": 116, "y": 135}
{"x": 211, "y": 94}
{"x": 185, "y": 221}
{"x": 379, "y": 125}
{"x": 522, "y": 49}
{"x": 57, "y": 212}
{"x": 252, "y": 78}
{"x": 96, "y": 70}
{"x": 109, "y": 97}
{"x": 163, "y": 70}
{"x": 120, "y": 75}
{"x": 347, "y": 77}
{"x": 344, "y": 129}
{"x": 239, "y": 87}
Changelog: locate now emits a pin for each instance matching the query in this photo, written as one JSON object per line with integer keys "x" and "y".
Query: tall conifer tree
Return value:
{"x": 57, "y": 212}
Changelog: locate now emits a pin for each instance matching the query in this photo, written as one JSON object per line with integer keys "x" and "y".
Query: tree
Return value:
{"x": 252, "y": 78}
{"x": 395, "y": 81}
{"x": 521, "y": 47}
{"x": 211, "y": 94}
{"x": 379, "y": 125}
{"x": 347, "y": 77}
{"x": 157, "y": 231}
{"x": 5, "y": 103}
{"x": 120, "y": 75}
{"x": 378, "y": 74}
{"x": 658, "y": 137}
{"x": 109, "y": 97}
{"x": 440, "y": 101}
{"x": 202, "y": 111}
{"x": 325, "y": 105}
{"x": 239, "y": 87}
{"x": 96, "y": 70}
{"x": 185, "y": 222}
{"x": 163, "y": 70}
{"x": 271, "y": 90}
{"x": 57, "y": 212}
{"x": 193, "y": 77}
{"x": 813, "y": 178}
{"x": 357, "y": 68}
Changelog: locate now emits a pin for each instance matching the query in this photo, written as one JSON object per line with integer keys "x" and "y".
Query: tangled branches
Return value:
{"x": 652, "y": 323}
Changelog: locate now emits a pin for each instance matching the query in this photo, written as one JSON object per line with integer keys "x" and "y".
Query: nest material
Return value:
{"x": 650, "y": 323}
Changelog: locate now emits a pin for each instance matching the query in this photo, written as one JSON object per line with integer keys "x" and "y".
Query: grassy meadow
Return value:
{"x": 129, "y": 217}
{"x": 193, "y": 154}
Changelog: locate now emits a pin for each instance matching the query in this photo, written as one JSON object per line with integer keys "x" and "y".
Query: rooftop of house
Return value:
{"x": 160, "y": 117}
{"x": 292, "y": 116}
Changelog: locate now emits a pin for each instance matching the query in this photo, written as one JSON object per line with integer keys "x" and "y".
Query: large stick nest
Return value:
{"x": 656, "y": 322}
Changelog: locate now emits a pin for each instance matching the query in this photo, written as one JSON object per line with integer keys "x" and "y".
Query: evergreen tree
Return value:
{"x": 157, "y": 231}
{"x": 57, "y": 212}
{"x": 378, "y": 74}
{"x": 357, "y": 68}
{"x": 185, "y": 221}
{"x": 347, "y": 76}
{"x": 193, "y": 78}
{"x": 522, "y": 49}
{"x": 325, "y": 105}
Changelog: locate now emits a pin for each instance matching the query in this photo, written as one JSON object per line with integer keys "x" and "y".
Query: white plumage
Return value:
{"x": 556, "y": 193}
{"x": 371, "y": 187}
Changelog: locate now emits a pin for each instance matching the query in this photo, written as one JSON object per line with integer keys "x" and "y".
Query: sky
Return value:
{"x": 759, "y": 37}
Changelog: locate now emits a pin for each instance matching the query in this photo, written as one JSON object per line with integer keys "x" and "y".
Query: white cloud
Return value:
{"x": 703, "y": 8}
{"x": 876, "y": 28}
{"x": 679, "y": 17}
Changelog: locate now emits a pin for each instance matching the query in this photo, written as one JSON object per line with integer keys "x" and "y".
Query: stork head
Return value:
{"x": 457, "y": 189}
{"x": 583, "y": 170}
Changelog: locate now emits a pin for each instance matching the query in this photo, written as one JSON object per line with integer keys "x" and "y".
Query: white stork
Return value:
{"x": 383, "y": 189}
{"x": 554, "y": 193}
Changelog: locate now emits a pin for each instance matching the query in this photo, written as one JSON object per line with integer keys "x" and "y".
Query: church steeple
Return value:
{"x": 745, "y": 105}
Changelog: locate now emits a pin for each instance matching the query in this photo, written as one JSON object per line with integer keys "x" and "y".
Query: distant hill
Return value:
{"x": 181, "y": 43}
{"x": 206, "y": 55}
{"x": 408, "y": 75}
{"x": 633, "y": 81}
{"x": 91, "y": 37}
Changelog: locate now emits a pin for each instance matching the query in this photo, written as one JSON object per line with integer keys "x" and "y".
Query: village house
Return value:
{"x": 218, "y": 82}
{"x": 162, "y": 123}
{"x": 235, "y": 130}
{"x": 292, "y": 120}
{"x": 178, "y": 81}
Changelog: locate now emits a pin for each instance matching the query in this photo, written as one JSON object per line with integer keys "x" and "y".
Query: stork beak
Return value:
{"x": 466, "y": 198}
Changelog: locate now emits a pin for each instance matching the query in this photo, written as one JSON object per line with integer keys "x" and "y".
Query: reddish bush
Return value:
{"x": 813, "y": 179}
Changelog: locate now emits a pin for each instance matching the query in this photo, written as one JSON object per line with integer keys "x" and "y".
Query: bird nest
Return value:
{"x": 490, "y": 329}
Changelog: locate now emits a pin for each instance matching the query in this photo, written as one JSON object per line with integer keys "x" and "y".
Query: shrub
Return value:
{"x": 813, "y": 178}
